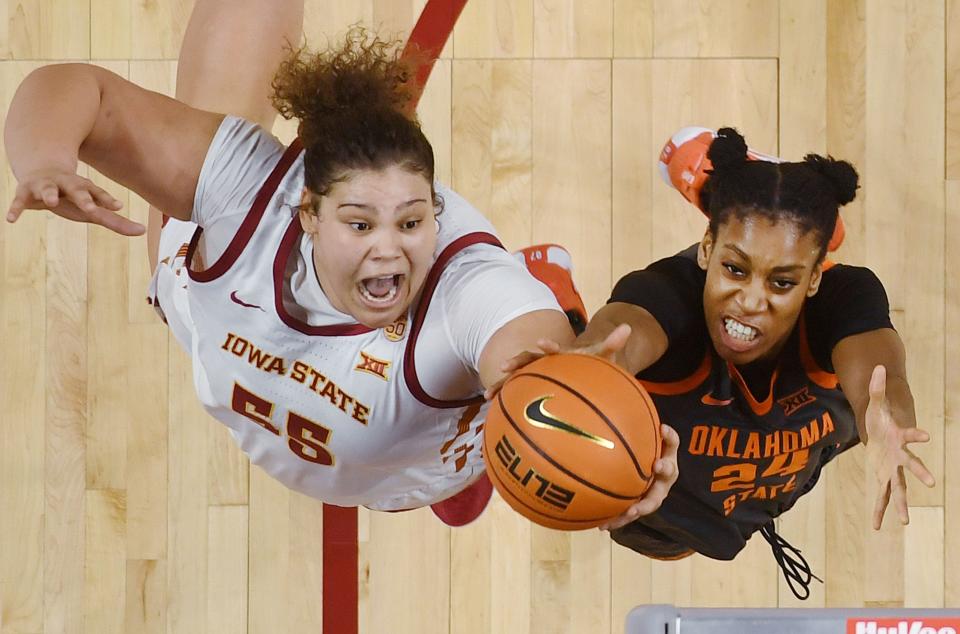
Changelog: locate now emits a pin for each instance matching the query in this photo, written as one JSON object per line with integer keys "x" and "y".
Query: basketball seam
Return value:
{"x": 554, "y": 462}
{"x": 593, "y": 522}
{"x": 606, "y": 420}
{"x": 651, "y": 412}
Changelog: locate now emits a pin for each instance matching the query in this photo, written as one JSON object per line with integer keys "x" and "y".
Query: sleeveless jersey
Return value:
{"x": 337, "y": 411}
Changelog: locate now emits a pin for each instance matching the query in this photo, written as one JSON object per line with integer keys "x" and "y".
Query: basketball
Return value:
{"x": 570, "y": 441}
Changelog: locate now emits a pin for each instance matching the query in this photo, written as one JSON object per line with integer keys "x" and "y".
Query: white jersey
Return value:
{"x": 389, "y": 418}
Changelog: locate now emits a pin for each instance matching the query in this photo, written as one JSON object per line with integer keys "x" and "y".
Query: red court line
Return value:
{"x": 429, "y": 36}
{"x": 340, "y": 575}
{"x": 340, "y": 547}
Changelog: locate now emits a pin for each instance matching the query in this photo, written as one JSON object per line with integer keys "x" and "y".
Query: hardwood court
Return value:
{"x": 124, "y": 508}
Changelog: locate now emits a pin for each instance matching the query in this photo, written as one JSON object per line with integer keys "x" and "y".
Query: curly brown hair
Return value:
{"x": 352, "y": 101}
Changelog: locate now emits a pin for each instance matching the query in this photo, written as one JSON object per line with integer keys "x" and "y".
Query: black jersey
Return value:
{"x": 745, "y": 459}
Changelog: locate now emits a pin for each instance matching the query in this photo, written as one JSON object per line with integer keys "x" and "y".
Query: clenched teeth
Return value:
{"x": 739, "y": 331}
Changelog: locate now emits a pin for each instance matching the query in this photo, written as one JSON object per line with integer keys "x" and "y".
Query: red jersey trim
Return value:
{"x": 682, "y": 386}
{"x": 249, "y": 224}
{"x": 429, "y": 287}
{"x": 279, "y": 268}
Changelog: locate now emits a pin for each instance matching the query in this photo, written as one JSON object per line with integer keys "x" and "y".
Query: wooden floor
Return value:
{"x": 124, "y": 508}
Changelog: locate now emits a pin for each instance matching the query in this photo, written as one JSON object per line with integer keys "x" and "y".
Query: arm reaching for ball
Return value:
{"x": 630, "y": 337}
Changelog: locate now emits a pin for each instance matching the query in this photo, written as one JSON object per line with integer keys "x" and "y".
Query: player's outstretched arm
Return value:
{"x": 629, "y": 336}
{"x": 517, "y": 338}
{"x": 645, "y": 342}
{"x": 625, "y": 334}
{"x": 145, "y": 141}
{"x": 871, "y": 367}
{"x": 230, "y": 53}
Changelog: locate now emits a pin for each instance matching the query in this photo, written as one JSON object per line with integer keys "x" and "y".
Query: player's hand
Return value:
{"x": 887, "y": 452}
{"x": 665, "y": 473}
{"x": 607, "y": 349}
{"x": 72, "y": 197}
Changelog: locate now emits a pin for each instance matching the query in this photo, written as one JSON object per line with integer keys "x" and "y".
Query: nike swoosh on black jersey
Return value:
{"x": 538, "y": 416}
{"x": 708, "y": 399}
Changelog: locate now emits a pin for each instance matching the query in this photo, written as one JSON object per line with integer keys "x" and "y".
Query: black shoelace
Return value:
{"x": 794, "y": 567}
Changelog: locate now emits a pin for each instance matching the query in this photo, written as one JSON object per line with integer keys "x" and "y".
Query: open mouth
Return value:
{"x": 382, "y": 290}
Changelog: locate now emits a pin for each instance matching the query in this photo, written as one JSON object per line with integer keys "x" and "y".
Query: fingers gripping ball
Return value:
{"x": 571, "y": 440}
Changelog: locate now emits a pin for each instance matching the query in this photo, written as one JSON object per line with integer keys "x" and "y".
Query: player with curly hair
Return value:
{"x": 344, "y": 312}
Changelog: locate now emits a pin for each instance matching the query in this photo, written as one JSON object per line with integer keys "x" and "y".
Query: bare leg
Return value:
{"x": 230, "y": 52}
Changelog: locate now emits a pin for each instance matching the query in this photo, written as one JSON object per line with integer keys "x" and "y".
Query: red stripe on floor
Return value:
{"x": 340, "y": 547}
{"x": 429, "y": 36}
{"x": 340, "y": 576}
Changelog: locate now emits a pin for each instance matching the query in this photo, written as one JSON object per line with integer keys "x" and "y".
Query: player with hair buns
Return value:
{"x": 343, "y": 311}
{"x": 767, "y": 359}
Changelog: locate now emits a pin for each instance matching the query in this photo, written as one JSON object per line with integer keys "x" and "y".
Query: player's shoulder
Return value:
{"x": 239, "y": 162}
{"x": 466, "y": 239}
{"x": 678, "y": 273}
{"x": 844, "y": 284}
{"x": 481, "y": 259}
{"x": 850, "y": 300}
{"x": 680, "y": 266}
{"x": 240, "y": 156}
{"x": 239, "y": 137}
{"x": 846, "y": 274}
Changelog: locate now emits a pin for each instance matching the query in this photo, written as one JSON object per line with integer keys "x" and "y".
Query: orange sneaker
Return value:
{"x": 683, "y": 164}
{"x": 552, "y": 265}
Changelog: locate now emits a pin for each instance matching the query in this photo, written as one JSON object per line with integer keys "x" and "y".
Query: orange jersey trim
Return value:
{"x": 683, "y": 385}
{"x": 814, "y": 372}
{"x": 759, "y": 408}
{"x": 682, "y": 555}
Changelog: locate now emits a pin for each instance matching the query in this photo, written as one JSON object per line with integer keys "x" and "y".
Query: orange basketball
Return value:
{"x": 570, "y": 441}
